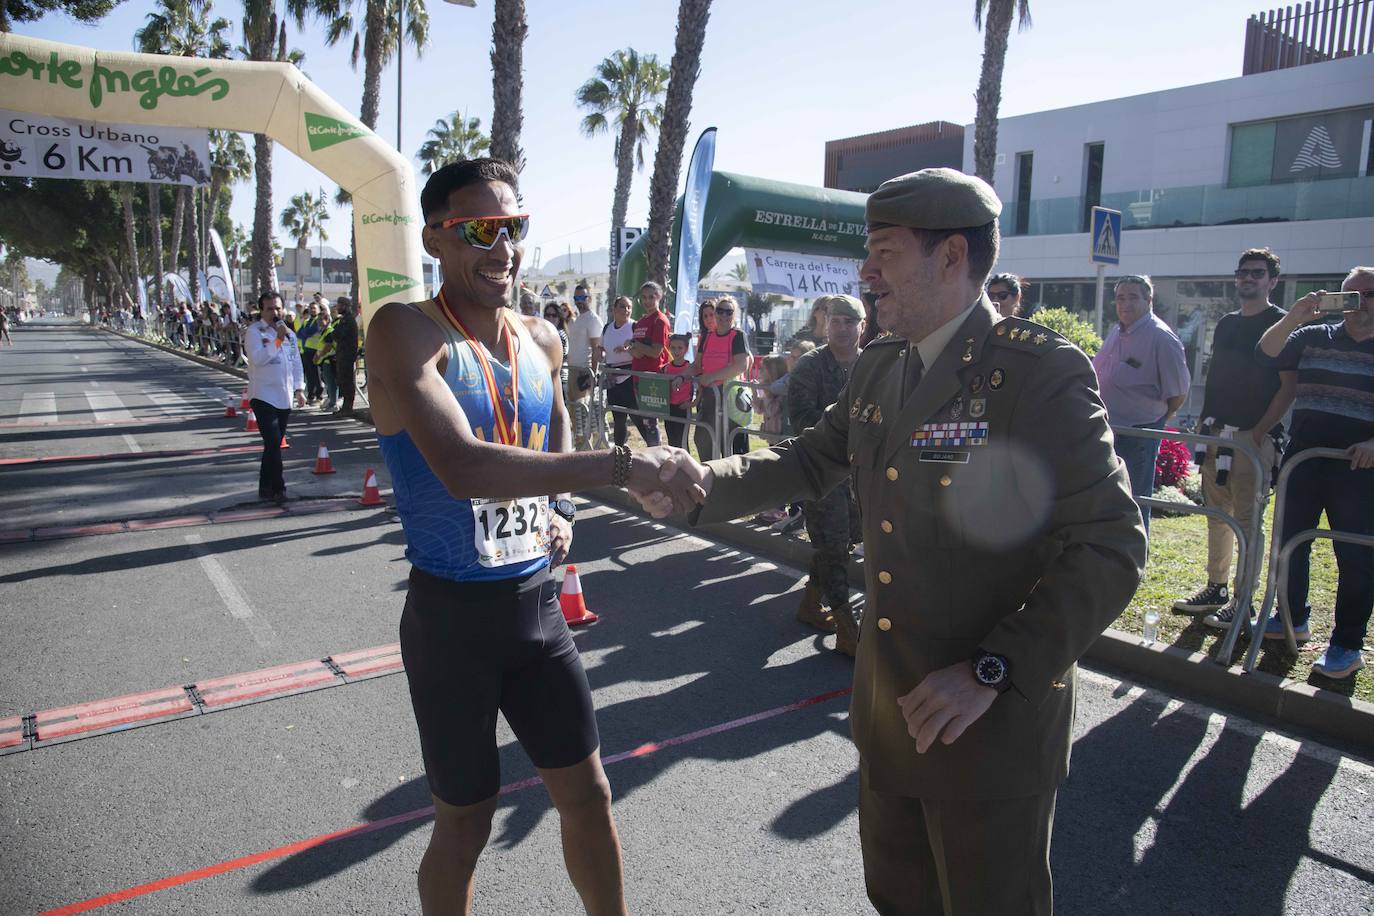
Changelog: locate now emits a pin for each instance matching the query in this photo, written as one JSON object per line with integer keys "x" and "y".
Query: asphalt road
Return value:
{"x": 732, "y": 795}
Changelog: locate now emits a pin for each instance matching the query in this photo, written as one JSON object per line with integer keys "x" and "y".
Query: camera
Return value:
{"x": 1337, "y": 303}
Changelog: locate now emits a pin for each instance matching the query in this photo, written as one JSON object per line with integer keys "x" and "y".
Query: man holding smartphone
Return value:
{"x": 1334, "y": 368}
{"x": 275, "y": 374}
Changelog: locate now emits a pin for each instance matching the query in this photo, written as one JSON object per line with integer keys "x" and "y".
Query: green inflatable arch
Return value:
{"x": 744, "y": 211}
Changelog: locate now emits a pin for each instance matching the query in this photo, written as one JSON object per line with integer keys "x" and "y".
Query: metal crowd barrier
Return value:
{"x": 605, "y": 373}
{"x": 1281, "y": 555}
{"x": 1247, "y": 558}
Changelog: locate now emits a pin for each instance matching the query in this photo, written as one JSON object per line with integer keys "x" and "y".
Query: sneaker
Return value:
{"x": 1221, "y": 620}
{"x": 859, "y": 551}
{"x": 1274, "y": 630}
{"x": 327, "y": 406}
{"x": 1338, "y": 663}
{"x": 770, "y": 516}
{"x": 1210, "y": 597}
{"x": 789, "y": 524}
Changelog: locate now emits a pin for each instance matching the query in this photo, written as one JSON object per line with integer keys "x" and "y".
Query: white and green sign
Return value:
{"x": 41, "y": 146}
{"x": 383, "y": 283}
{"x": 653, "y": 394}
{"x": 322, "y": 131}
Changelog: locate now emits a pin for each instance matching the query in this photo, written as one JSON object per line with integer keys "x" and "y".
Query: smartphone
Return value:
{"x": 1336, "y": 303}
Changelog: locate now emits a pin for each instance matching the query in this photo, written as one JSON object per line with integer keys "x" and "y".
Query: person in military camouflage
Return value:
{"x": 832, "y": 522}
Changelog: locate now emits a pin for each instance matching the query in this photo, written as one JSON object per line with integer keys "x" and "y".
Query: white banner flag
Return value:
{"x": 805, "y": 276}
{"x": 40, "y": 146}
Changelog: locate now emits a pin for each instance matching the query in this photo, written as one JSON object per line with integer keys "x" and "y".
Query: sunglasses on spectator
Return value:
{"x": 1000, "y": 297}
{"x": 1253, "y": 273}
{"x": 725, "y": 311}
{"x": 483, "y": 232}
{"x": 579, "y": 298}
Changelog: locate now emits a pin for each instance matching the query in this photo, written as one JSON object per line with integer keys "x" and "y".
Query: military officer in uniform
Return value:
{"x": 832, "y": 522}
{"x": 1001, "y": 539}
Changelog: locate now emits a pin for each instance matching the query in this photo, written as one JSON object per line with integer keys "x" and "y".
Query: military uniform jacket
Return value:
{"x": 814, "y": 384}
{"x": 995, "y": 515}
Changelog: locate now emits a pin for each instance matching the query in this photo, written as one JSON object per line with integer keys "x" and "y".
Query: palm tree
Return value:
{"x": 692, "y": 16}
{"x": 126, "y": 199}
{"x": 508, "y": 32}
{"x": 452, "y": 140}
{"x": 155, "y": 234}
{"x": 264, "y": 36}
{"x": 304, "y": 217}
{"x": 372, "y": 25}
{"x": 184, "y": 28}
{"x": 229, "y": 164}
{"x": 740, "y": 272}
{"x": 629, "y": 88}
{"x": 989, "y": 95}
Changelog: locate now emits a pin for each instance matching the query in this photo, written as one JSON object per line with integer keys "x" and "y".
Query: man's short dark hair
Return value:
{"x": 1270, "y": 259}
{"x": 983, "y": 243}
{"x": 458, "y": 175}
{"x": 267, "y": 297}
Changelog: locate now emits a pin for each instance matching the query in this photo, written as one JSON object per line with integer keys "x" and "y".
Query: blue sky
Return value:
{"x": 778, "y": 78}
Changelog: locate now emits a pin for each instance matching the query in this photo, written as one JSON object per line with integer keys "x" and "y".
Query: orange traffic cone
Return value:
{"x": 372, "y": 496}
{"x": 243, "y": 402}
{"x": 252, "y": 425}
{"x": 322, "y": 463}
{"x": 284, "y": 443}
{"x": 229, "y": 410}
{"x": 570, "y": 600}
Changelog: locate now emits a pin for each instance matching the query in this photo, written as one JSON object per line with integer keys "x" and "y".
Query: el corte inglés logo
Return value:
{"x": 322, "y": 131}
{"x": 393, "y": 217}
{"x": 383, "y": 283}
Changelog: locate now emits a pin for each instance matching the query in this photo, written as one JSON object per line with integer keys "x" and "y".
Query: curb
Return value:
{"x": 1191, "y": 675}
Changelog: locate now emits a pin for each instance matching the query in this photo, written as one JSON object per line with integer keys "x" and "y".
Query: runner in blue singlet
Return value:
{"x": 471, "y": 423}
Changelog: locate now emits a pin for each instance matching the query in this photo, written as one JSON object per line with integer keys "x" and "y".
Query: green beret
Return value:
{"x": 933, "y": 199}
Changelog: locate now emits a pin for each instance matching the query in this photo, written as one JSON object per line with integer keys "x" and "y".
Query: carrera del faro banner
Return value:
{"x": 806, "y": 276}
{"x": 40, "y": 146}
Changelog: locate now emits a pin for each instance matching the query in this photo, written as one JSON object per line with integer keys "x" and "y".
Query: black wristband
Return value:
{"x": 620, "y": 471}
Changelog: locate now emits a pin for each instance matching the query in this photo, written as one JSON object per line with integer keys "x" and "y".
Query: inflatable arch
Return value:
{"x": 69, "y": 81}
{"x": 743, "y": 211}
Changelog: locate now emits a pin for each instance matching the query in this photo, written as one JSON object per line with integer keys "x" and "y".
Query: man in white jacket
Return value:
{"x": 275, "y": 377}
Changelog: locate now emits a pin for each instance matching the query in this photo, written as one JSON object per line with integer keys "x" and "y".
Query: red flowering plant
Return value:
{"x": 1174, "y": 464}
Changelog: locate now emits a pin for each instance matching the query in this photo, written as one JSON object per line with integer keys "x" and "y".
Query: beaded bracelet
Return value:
{"x": 620, "y": 471}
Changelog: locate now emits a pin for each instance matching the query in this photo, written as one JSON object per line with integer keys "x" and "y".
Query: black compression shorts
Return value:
{"x": 471, "y": 648}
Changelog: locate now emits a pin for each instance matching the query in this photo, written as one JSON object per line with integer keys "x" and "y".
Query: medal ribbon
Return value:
{"x": 507, "y": 432}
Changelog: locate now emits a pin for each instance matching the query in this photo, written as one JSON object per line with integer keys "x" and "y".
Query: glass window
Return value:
{"x": 1023, "y": 192}
{"x": 1252, "y": 154}
{"x": 1092, "y": 185}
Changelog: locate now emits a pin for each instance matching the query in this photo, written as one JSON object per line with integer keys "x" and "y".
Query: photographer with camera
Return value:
{"x": 1334, "y": 364}
{"x": 275, "y": 375}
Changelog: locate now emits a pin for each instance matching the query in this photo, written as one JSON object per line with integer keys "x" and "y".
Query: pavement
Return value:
{"x": 723, "y": 721}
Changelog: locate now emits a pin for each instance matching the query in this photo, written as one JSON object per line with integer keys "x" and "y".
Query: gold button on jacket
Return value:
{"x": 884, "y": 624}
{"x": 1012, "y": 529}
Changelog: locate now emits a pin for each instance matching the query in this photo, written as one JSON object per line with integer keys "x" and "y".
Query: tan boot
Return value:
{"x": 810, "y": 611}
{"x": 846, "y": 630}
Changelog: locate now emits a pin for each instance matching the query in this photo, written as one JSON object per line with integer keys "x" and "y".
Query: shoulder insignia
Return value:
{"x": 1021, "y": 334}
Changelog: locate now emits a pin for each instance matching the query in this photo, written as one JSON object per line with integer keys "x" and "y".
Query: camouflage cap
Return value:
{"x": 933, "y": 199}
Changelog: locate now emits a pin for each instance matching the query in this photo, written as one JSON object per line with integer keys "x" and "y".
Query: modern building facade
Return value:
{"x": 1280, "y": 158}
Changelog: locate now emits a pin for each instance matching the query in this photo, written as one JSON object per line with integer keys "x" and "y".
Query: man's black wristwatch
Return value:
{"x": 992, "y": 670}
{"x": 566, "y": 508}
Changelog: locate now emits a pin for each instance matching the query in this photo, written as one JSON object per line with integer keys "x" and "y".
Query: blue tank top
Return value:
{"x": 438, "y": 528}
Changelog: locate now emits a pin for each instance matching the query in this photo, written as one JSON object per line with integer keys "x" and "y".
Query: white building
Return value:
{"x": 1281, "y": 159}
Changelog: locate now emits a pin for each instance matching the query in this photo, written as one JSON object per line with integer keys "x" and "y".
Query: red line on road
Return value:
{"x": 131, "y": 456}
{"x": 220, "y": 868}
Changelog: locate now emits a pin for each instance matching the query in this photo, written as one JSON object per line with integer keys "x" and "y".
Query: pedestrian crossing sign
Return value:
{"x": 1106, "y": 236}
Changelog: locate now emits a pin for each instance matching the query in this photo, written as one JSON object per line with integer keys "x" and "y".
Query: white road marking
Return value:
{"x": 232, "y": 596}
{"x": 220, "y": 396}
{"x": 38, "y": 407}
{"x": 84, "y": 369}
{"x": 129, "y": 441}
{"x": 169, "y": 402}
{"x": 106, "y": 405}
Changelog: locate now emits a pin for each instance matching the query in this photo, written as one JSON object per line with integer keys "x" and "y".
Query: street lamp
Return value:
{"x": 401, "y": 55}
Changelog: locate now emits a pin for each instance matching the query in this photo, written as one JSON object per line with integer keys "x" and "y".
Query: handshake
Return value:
{"x": 667, "y": 480}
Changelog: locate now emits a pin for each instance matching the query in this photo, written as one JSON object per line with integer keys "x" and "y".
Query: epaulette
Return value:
{"x": 885, "y": 338}
{"x": 1022, "y": 334}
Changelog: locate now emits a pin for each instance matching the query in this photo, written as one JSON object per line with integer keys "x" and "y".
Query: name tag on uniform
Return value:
{"x": 944, "y": 457}
{"x": 506, "y": 531}
{"x": 951, "y": 434}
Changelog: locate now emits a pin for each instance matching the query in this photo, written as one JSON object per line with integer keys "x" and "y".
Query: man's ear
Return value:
{"x": 428, "y": 241}
{"x": 955, "y": 259}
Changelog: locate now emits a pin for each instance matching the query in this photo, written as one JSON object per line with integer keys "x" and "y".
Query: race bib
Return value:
{"x": 507, "y": 531}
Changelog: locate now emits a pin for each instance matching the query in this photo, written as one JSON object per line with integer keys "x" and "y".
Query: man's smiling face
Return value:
{"x": 471, "y": 275}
